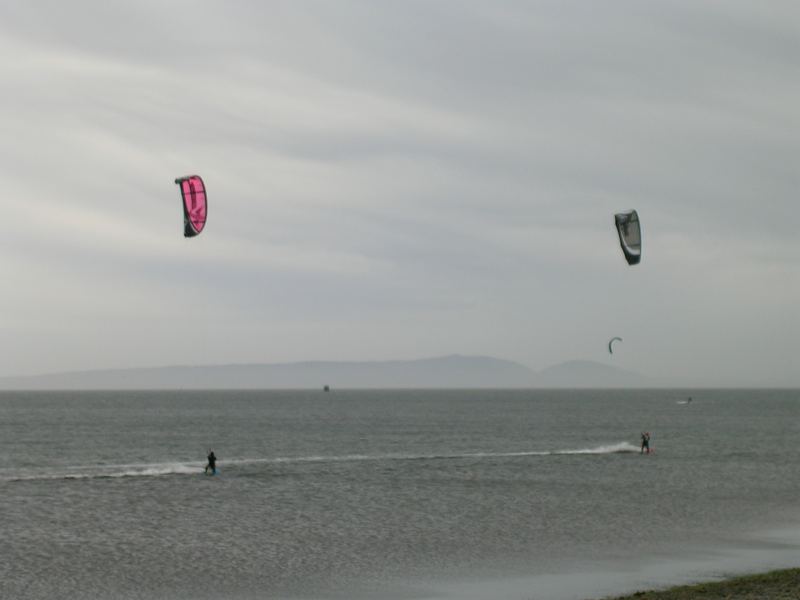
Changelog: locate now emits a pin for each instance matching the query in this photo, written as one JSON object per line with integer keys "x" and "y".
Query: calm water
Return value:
{"x": 387, "y": 494}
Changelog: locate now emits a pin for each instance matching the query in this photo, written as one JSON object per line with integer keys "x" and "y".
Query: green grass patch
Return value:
{"x": 775, "y": 585}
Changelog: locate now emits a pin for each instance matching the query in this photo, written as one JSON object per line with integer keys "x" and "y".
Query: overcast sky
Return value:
{"x": 401, "y": 180}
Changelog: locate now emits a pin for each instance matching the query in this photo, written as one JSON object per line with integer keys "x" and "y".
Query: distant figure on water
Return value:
{"x": 645, "y": 443}
{"x": 212, "y": 463}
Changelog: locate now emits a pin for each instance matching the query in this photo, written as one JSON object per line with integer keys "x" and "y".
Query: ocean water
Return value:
{"x": 392, "y": 494}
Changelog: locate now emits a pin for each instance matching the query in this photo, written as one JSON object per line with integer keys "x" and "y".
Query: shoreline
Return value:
{"x": 763, "y": 566}
{"x": 782, "y": 584}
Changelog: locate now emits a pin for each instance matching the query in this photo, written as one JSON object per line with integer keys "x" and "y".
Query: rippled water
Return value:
{"x": 377, "y": 494}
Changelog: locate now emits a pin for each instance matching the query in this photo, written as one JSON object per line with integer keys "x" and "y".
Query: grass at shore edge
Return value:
{"x": 775, "y": 585}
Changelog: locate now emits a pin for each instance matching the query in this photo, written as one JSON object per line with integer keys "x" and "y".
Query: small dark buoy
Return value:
{"x": 326, "y": 389}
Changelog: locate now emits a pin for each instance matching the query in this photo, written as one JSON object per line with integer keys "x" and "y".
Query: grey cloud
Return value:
{"x": 401, "y": 179}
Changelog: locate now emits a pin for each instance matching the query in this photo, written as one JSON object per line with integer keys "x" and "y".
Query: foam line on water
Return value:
{"x": 195, "y": 468}
{"x": 111, "y": 471}
{"x": 618, "y": 448}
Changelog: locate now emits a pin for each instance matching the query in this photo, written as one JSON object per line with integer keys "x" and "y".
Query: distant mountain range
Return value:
{"x": 590, "y": 374}
{"x": 454, "y": 371}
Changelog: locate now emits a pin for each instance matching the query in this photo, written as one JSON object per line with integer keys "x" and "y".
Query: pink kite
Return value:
{"x": 195, "y": 204}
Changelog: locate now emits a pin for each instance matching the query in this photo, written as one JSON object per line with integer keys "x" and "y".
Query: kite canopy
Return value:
{"x": 630, "y": 235}
{"x": 611, "y": 341}
{"x": 195, "y": 204}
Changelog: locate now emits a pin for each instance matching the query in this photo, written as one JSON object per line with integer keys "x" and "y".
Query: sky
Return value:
{"x": 395, "y": 180}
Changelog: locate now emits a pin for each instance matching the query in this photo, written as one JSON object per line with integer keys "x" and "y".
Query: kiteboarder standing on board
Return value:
{"x": 212, "y": 463}
{"x": 645, "y": 442}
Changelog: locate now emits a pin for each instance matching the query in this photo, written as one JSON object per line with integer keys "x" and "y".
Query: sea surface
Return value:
{"x": 392, "y": 494}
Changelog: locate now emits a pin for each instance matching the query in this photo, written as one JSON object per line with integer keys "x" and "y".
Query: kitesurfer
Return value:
{"x": 212, "y": 463}
{"x": 645, "y": 443}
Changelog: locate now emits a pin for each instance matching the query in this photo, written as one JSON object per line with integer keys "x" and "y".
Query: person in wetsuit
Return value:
{"x": 645, "y": 442}
{"x": 212, "y": 463}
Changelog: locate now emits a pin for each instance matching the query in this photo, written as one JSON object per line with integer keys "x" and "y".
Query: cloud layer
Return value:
{"x": 391, "y": 180}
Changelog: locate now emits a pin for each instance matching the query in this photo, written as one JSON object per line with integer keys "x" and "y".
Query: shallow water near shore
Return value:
{"x": 755, "y": 553}
{"x": 392, "y": 494}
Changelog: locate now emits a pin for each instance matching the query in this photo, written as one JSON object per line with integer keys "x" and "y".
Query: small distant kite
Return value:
{"x": 630, "y": 235}
{"x": 195, "y": 204}
{"x": 611, "y": 341}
